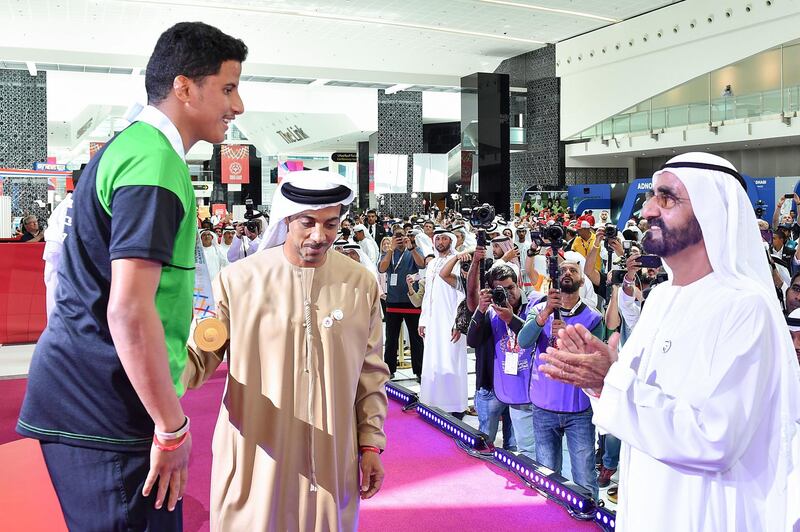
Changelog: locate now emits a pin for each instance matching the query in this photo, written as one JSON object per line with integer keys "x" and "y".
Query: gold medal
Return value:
{"x": 210, "y": 334}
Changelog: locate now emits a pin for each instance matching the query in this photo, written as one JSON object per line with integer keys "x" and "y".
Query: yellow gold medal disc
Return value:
{"x": 210, "y": 334}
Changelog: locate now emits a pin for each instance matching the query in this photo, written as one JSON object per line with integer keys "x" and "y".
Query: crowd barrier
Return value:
{"x": 23, "y": 312}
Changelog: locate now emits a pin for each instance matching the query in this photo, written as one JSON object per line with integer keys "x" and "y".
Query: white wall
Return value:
{"x": 597, "y": 84}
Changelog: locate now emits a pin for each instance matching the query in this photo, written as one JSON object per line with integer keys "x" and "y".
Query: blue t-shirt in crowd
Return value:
{"x": 402, "y": 264}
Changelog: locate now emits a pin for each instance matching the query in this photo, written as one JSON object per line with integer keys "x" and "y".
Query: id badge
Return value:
{"x": 392, "y": 279}
{"x": 511, "y": 363}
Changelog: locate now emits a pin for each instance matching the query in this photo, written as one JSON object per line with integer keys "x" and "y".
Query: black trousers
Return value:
{"x": 101, "y": 491}
{"x": 394, "y": 321}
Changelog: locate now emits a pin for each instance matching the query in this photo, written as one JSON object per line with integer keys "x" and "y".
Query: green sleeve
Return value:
{"x": 600, "y": 330}
{"x": 530, "y": 332}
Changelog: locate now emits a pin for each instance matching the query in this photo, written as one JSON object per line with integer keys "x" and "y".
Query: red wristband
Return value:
{"x": 160, "y": 446}
{"x": 369, "y": 448}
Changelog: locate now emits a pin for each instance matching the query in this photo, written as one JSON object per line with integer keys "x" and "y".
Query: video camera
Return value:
{"x": 252, "y": 224}
{"x": 482, "y": 216}
{"x": 555, "y": 234}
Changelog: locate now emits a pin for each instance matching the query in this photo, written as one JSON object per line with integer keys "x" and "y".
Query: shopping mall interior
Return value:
{"x": 550, "y": 112}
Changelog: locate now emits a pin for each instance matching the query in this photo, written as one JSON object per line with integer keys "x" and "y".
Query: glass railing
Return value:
{"x": 719, "y": 110}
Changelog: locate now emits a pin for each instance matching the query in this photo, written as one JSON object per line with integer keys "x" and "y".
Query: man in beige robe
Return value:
{"x": 301, "y": 404}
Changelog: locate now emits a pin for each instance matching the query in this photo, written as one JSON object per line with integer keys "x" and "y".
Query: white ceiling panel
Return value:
{"x": 444, "y": 37}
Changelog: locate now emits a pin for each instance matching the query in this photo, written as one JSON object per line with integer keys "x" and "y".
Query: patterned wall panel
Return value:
{"x": 23, "y": 118}
{"x": 23, "y": 136}
{"x": 593, "y": 176}
{"x": 530, "y": 66}
{"x": 400, "y": 132}
{"x": 542, "y": 165}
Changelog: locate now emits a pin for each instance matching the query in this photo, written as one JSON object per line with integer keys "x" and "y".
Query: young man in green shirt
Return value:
{"x": 104, "y": 384}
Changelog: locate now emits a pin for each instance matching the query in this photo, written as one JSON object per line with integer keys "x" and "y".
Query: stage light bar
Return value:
{"x": 607, "y": 519}
{"x": 401, "y": 394}
{"x": 578, "y": 498}
{"x": 456, "y": 428}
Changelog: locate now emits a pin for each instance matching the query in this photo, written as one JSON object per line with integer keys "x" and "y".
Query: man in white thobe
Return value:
{"x": 367, "y": 245}
{"x": 444, "y": 368}
{"x": 215, "y": 260}
{"x": 704, "y": 394}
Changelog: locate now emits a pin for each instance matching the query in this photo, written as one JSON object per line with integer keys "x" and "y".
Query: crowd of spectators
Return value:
{"x": 504, "y": 288}
{"x": 429, "y": 270}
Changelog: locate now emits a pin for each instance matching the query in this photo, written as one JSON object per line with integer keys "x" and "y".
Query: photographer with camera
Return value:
{"x": 502, "y": 309}
{"x": 776, "y": 216}
{"x": 247, "y": 239}
{"x": 561, "y": 409}
{"x": 403, "y": 260}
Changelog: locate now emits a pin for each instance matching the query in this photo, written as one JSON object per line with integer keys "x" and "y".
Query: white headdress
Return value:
{"x": 303, "y": 191}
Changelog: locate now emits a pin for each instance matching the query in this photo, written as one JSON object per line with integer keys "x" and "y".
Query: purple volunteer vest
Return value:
{"x": 550, "y": 394}
{"x": 510, "y": 389}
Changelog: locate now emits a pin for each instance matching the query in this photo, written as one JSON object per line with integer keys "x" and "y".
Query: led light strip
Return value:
{"x": 328, "y": 16}
{"x": 550, "y": 10}
{"x": 529, "y": 470}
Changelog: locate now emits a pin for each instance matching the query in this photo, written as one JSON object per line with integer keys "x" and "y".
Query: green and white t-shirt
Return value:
{"x": 134, "y": 200}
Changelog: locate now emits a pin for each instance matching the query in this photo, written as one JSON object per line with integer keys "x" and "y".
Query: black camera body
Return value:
{"x": 499, "y": 296}
{"x": 482, "y": 216}
{"x": 617, "y": 276}
{"x": 250, "y": 214}
{"x": 611, "y": 231}
{"x": 555, "y": 234}
{"x": 531, "y": 252}
{"x": 253, "y": 226}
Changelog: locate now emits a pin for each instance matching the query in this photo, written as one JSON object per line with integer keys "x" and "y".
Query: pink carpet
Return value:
{"x": 11, "y": 393}
{"x": 430, "y": 483}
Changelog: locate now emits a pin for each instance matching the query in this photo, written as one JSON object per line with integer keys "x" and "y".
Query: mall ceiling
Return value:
{"x": 309, "y": 59}
{"x": 416, "y": 42}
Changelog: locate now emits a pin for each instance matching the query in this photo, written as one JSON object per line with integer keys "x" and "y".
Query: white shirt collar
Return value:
{"x": 160, "y": 121}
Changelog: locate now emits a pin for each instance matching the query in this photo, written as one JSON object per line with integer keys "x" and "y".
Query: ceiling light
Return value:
{"x": 318, "y": 82}
{"x": 550, "y": 10}
{"x": 327, "y": 16}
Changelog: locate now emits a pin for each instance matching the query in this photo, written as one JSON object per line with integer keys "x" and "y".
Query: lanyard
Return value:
{"x": 569, "y": 313}
{"x": 399, "y": 261}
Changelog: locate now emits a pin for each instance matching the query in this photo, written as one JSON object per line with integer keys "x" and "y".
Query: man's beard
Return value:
{"x": 672, "y": 240}
{"x": 569, "y": 288}
{"x": 442, "y": 248}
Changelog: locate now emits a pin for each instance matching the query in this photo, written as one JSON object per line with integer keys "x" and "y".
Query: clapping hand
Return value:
{"x": 581, "y": 359}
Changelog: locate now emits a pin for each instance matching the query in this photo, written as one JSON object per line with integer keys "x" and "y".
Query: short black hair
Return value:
{"x": 372, "y": 211}
{"x": 498, "y": 273}
{"x": 191, "y": 49}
